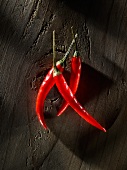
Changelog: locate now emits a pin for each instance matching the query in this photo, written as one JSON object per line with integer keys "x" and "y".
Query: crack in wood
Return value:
{"x": 88, "y": 41}
{"x": 54, "y": 100}
{"x": 32, "y": 16}
{"x": 43, "y": 30}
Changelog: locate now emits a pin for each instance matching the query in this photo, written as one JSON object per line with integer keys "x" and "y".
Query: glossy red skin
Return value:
{"x": 70, "y": 98}
{"x": 74, "y": 80}
{"x": 45, "y": 87}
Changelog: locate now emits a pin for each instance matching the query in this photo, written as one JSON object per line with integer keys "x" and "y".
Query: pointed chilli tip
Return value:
{"x": 58, "y": 114}
{"x": 43, "y": 124}
{"x": 104, "y": 130}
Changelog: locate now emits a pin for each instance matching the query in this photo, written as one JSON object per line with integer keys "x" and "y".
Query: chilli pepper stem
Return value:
{"x": 54, "y": 51}
{"x": 69, "y": 49}
{"x": 73, "y": 37}
{"x": 66, "y": 54}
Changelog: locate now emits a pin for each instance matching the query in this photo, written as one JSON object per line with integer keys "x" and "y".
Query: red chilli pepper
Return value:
{"x": 75, "y": 75}
{"x": 46, "y": 86}
{"x": 70, "y": 98}
{"x": 74, "y": 79}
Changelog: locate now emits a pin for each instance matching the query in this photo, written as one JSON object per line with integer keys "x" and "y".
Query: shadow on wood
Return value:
{"x": 73, "y": 131}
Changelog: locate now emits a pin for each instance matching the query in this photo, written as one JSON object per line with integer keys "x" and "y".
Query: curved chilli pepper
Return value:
{"x": 70, "y": 98}
{"x": 46, "y": 86}
{"x": 74, "y": 79}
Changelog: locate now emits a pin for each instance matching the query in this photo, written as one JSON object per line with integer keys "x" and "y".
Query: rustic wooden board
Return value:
{"x": 25, "y": 58}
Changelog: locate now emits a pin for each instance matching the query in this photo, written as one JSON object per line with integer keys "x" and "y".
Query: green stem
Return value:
{"x": 76, "y": 49}
{"x": 69, "y": 49}
{"x": 54, "y": 51}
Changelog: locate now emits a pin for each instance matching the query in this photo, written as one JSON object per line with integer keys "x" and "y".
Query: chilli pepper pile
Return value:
{"x": 55, "y": 76}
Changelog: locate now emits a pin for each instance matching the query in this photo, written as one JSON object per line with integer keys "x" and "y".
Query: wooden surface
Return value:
{"x": 26, "y": 56}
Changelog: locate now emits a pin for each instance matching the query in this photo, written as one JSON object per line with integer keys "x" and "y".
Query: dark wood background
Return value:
{"x": 26, "y": 56}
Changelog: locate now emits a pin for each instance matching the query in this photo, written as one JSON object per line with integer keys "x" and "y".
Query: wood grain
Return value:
{"x": 25, "y": 58}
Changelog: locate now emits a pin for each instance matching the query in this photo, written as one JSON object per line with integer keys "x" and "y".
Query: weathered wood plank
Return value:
{"x": 26, "y": 52}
